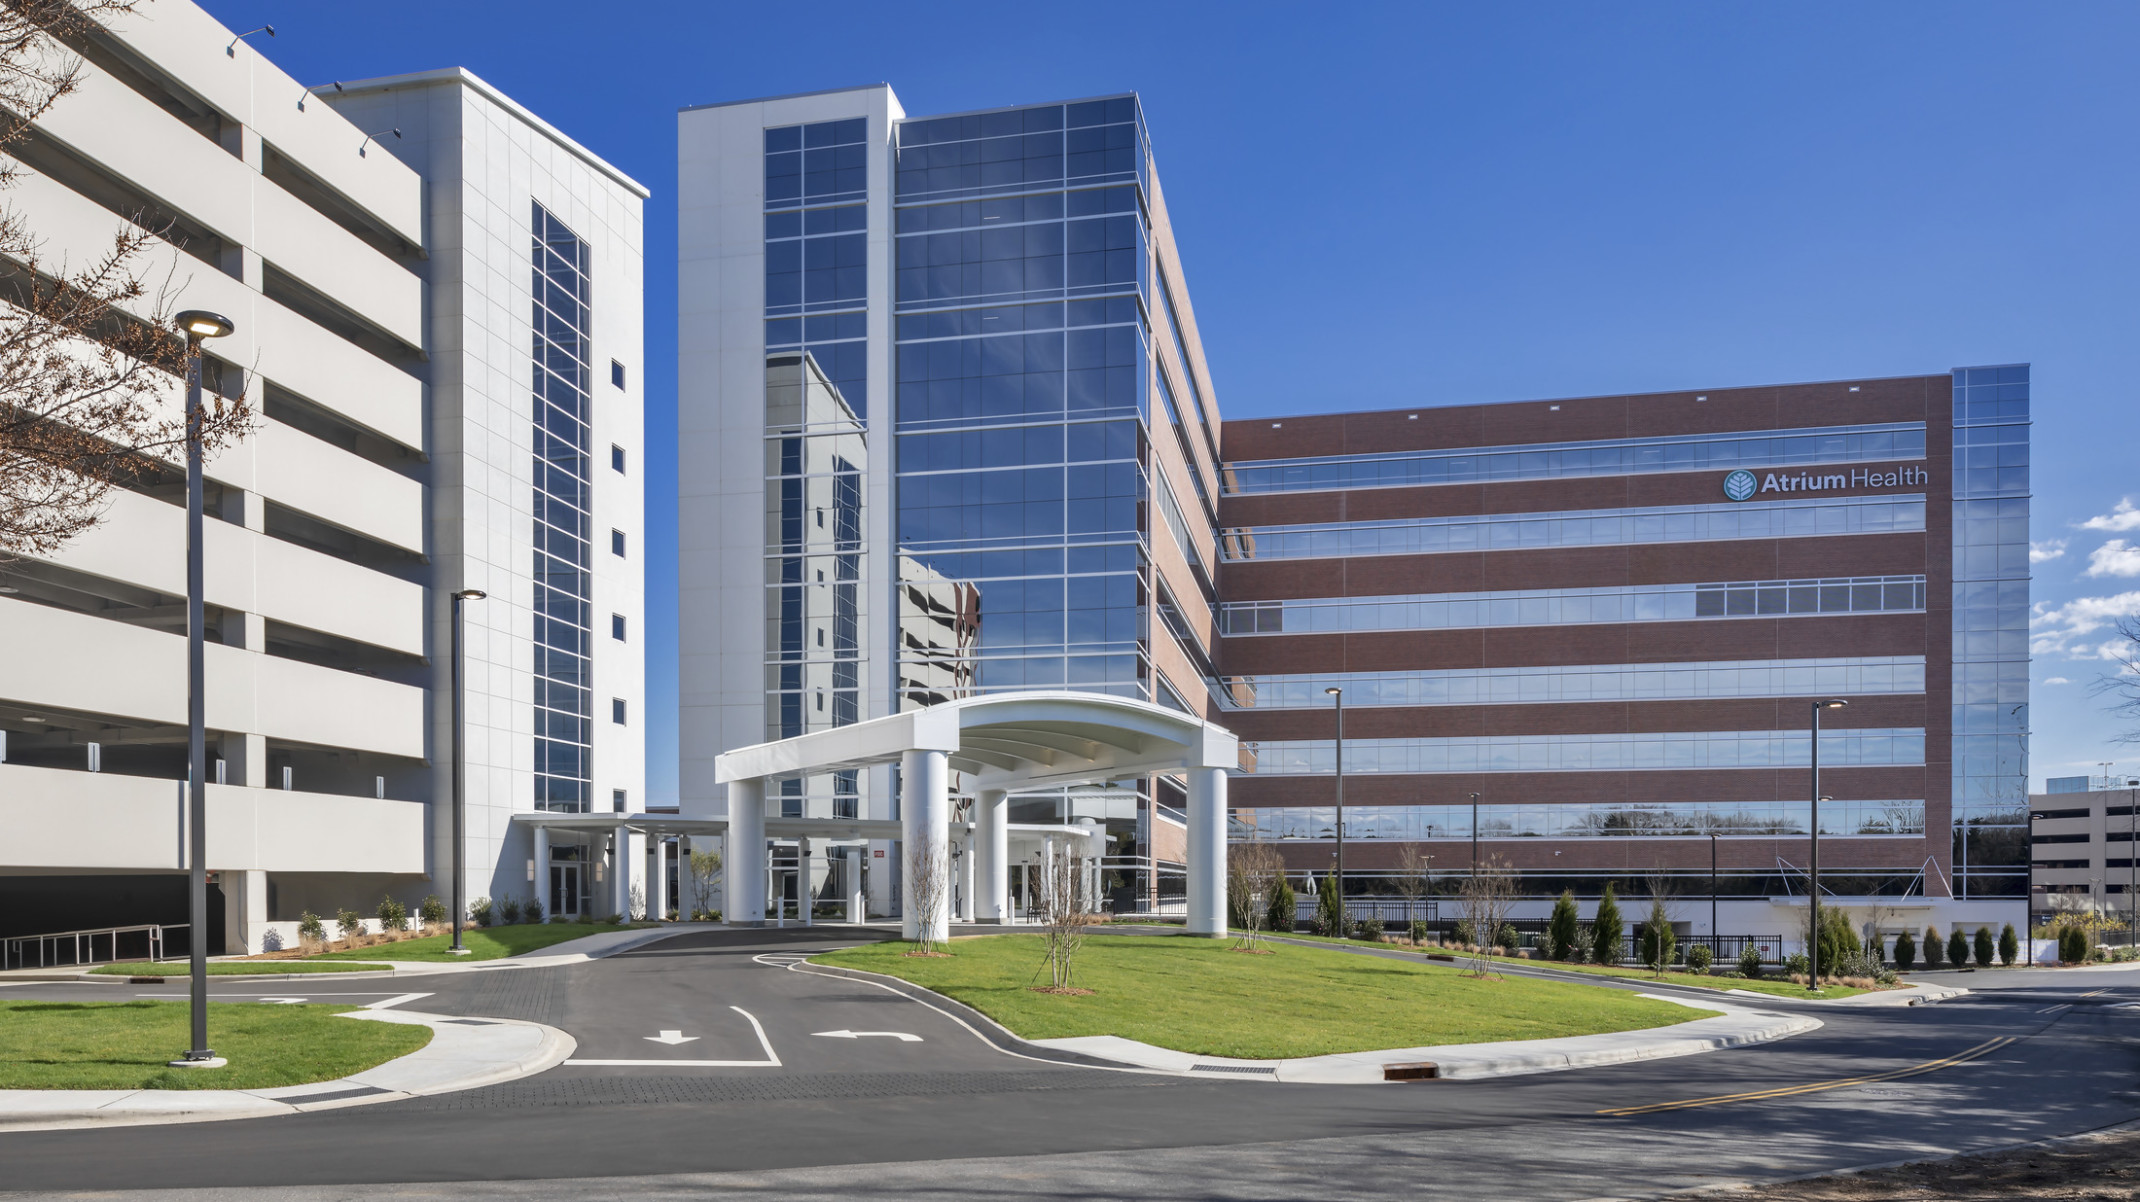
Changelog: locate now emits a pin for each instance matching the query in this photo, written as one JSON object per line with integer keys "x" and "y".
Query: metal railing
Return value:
{"x": 1724, "y": 950}
{"x": 62, "y": 948}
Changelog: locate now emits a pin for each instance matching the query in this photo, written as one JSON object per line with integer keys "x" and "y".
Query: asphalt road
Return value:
{"x": 943, "y": 1114}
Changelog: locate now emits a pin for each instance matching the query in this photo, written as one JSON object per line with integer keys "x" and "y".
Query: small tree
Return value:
{"x": 1658, "y": 938}
{"x": 1905, "y": 952}
{"x": 1838, "y": 938}
{"x": 1957, "y": 948}
{"x": 1984, "y": 950}
{"x": 2073, "y": 945}
{"x": 1284, "y": 911}
{"x": 705, "y": 872}
{"x": 1414, "y": 879}
{"x": 1561, "y": 927}
{"x": 1065, "y": 918}
{"x": 1489, "y": 891}
{"x": 928, "y": 888}
{"x": 1329, "y": 908}
{"x": 1607, "y": 929}
{"x": 310, "y": 929}
{"x": 393, "y": 916}
{"x": 351, "y": 922}
{"x": 2009, "y": 946}
{"x": 1934, "y": 950}
{"x": 508, "y": 910}
{"x": 1254, "y": 873}
{"x": 431, "y": 912}
{"x": 532, "y": 909}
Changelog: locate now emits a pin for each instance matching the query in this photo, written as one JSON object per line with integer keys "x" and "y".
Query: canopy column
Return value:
{"x": 539, "y": 886}
{"x": 925, "y": 818}
{"x": 992, "y": 847}
{"x": 743, "y": 861}
{"x": 1207, "y": 852}
{"x": 657, "y": 878}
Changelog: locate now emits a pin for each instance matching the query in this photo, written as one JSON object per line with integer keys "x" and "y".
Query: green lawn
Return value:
{"x": 229, "y": 968}
{"x": 483, "y": 943}
{"x": 1198, "y": 996}
{"x": 124, "y": 1045}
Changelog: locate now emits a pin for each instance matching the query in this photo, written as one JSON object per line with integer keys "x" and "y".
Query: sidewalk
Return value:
{"x": 1735, "y": 1027}
{"x": 463, "y": 1053}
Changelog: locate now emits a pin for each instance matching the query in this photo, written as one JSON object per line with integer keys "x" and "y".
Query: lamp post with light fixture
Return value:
{"x": 1813, "y": 895}
{"x": 460, "y": 767}
{"x": 198, "y": 325}
{"x": 1344, "y": 926}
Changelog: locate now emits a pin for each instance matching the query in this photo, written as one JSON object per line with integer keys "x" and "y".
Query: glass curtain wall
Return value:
{"x": 1991, "y": 627}
{"x": 563, "y": 588}
{"x": 816, "y": 403}
{"x": 1023, "y": 345}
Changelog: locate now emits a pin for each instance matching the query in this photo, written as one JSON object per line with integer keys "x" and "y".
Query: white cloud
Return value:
{"x": 2123, "y": 516}
{"x": 2114, "y": 558}
{"x": 2059, "y": 629}
{"x": 2051, "y": 680}
{"x": 2047, "y": 550}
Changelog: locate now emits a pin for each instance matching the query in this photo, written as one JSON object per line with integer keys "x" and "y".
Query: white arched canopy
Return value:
{"x": 1001, "y": 743}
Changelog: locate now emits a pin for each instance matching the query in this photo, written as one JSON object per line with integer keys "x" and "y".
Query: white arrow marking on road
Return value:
{"x": 901, "y": 1036}
{"x": 671, "y": 1037}
{"x": 279, "y": 1001}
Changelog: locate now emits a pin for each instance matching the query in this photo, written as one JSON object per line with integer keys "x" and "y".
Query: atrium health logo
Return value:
{"x": 1740, "y": 485}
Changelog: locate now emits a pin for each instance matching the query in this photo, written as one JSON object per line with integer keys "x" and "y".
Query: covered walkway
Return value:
{"x": 999, "y": 744}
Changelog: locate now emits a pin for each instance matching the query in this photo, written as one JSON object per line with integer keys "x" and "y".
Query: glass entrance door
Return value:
{"x": 564, "y": 889}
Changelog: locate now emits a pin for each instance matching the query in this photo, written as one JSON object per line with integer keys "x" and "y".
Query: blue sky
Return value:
{"x": 1420, "y": 204}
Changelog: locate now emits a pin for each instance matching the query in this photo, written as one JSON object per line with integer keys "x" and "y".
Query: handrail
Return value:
{"x": 82, "y": 945}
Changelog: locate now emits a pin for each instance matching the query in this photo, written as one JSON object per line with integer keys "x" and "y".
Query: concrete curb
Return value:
{"x": 1478, "y": 1061}
{"x": 1736, "y": 1027}
{"x": 464, "y": 1053}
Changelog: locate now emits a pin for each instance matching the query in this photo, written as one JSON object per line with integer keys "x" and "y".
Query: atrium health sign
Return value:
{"x": 1743, "y": 485}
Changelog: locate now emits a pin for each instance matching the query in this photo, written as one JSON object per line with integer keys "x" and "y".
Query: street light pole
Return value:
{"x": 1474, "y": 839}
{"x": 2132, "y": 860}
{"x": 460, "y": 766}
{"x": 1343, "y": 925}
{"x": 1813, "y": 941}
{"x": 1715, "y": 946}
{"x": 198, "y": 326}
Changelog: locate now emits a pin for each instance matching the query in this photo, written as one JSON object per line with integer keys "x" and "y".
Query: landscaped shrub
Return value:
{"x": 1658, "y": 937}
{"x": 1983, "y": 948}
{"x": 431, "y": 912}
{"x": 616, "y": 920}
{"x": 1796, "y": 964}
{"x": 1507, "y": 939}
{"x": 479, "y": 910}
{"x": 393, "y": 916}
{"x": 1367, "y": 930}
{"x": 1285, "y": 909}
{"x": 1699, "y": 957}
{"x": 2073, "y": 945}
{"x": 1607, "y": 929}
{"x": 508, "y": 911}
{"x": 1561, "y": 928}
{"x": 1958, "y": 948}
{"x": 1417, "y": 931}
{"x": 1905, "y": 951}
{"x": 1838, "y": 939}
{"x": 1750, "y": 962}
{"x": 1934, "y": 950}
{"x": 310, "y": 928}
{"x": 351, "y": 922}
{"x": 1460, "y": 931}
{"x": 2009, "y": 945}
{"x": 532, "y": 911}
{"x": 1876, "y": 949}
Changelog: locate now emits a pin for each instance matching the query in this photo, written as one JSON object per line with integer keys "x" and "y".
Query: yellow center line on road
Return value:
{"x": 2093, "y": 992}
{"x": 1932, "y": 1066}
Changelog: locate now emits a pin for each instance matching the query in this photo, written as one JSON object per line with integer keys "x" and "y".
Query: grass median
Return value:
{"x": 1203, "y": 997}
{"x": 1779, "y": 986}
{"x": 125, "y": 1045}
{"x": 230, "y": 968}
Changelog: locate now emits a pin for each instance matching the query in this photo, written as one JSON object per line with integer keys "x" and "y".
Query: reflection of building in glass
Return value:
{"x": 815, "y": 451}
{"x": 939, "y": 633}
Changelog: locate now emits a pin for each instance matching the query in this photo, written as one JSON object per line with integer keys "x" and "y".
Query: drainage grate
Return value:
{"x": 472, "y": 1022}
{"x": 1232, "y": 1068}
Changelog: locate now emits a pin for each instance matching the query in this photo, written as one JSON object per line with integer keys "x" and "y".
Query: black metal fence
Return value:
{"x": 1724, "y": 950}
